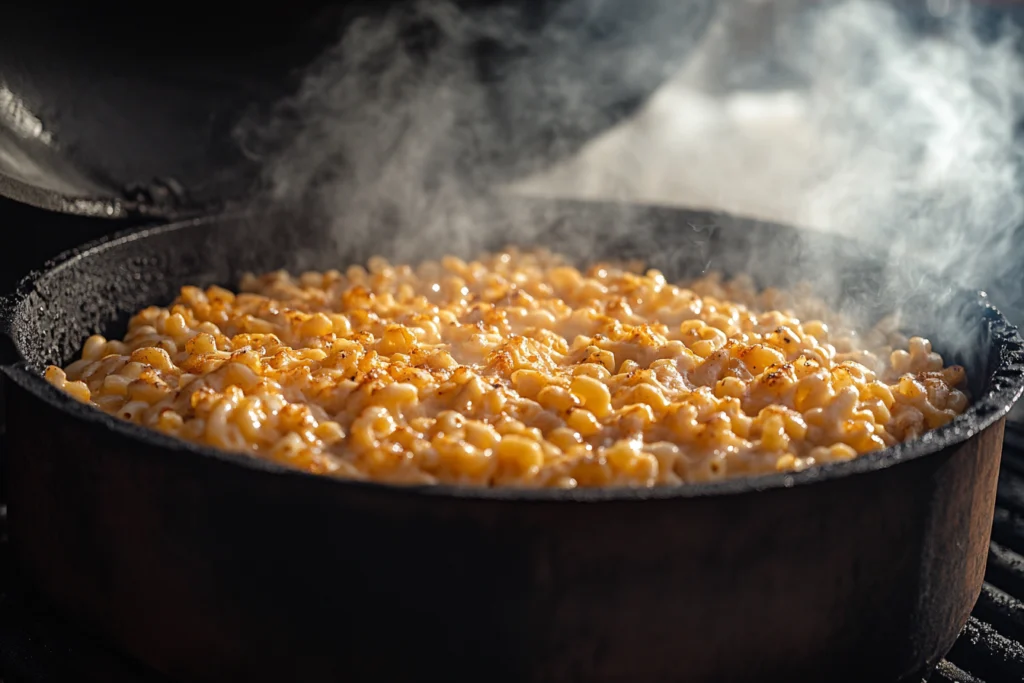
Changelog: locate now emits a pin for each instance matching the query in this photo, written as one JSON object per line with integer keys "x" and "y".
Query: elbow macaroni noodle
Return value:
{"x": 515, "y": 370}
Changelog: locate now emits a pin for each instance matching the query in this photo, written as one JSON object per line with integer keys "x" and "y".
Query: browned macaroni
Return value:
{"x": 515, "y": 370}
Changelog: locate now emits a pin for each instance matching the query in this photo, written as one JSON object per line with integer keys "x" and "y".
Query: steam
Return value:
{"x": 920, "y": 134}
{"x": 921, "y": 140}
{"x": 900, "y": 139}
{"x": 397, "y": 135}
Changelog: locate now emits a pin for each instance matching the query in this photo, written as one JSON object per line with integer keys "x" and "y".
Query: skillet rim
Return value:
{"x": 1006, "y": 382}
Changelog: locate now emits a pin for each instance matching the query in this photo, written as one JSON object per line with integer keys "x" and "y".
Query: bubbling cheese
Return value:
{"x": 516, "y": 369}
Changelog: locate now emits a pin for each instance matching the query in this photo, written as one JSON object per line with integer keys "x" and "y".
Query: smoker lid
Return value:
{"x": 118, "y": 115}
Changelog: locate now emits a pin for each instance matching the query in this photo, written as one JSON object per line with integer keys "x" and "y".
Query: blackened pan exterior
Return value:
{"x": 211, "y": 572}
{"x": 214, "y": 570}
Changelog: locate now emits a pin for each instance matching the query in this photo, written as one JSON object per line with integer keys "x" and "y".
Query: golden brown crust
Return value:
{"x": 516, "y": 370}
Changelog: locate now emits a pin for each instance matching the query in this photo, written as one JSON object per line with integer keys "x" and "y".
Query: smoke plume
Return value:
{"x": 902, "y": 138}
{"x": 399, "y": 133}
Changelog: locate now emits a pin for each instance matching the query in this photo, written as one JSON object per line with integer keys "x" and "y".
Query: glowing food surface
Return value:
{"x": 516, "y": 369}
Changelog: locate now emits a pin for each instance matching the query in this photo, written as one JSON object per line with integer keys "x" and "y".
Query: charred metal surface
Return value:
{"x": 1006, "y": 569}
{"x": 1001, "y": 610}
{"x": 986, "y": 653}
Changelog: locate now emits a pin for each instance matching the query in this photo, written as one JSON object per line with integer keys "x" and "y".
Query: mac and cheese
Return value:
{"x": 516, "y": 369}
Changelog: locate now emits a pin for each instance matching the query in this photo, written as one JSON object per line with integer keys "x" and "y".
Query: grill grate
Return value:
{"x": 36, "y": 648}
{"x": 990, "y": 648}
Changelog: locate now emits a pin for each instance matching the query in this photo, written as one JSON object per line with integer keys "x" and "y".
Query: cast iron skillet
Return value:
{"x": 211, "y": 566}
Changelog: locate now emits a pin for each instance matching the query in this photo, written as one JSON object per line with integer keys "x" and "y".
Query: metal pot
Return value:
{"x": 212, "y": 566}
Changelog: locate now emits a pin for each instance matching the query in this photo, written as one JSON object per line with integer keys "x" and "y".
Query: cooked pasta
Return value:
{"x": 516, "y": 369}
